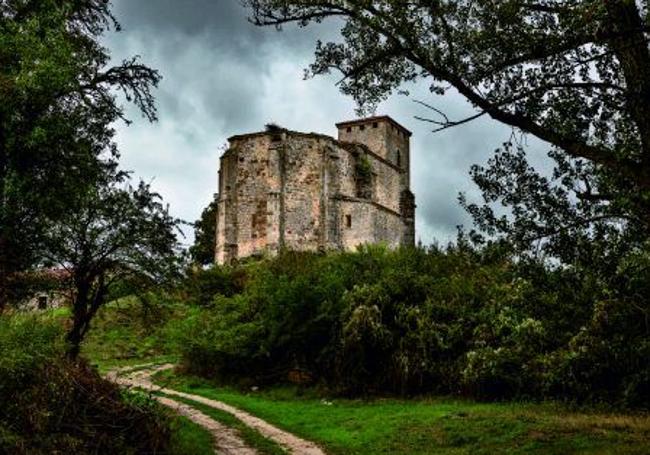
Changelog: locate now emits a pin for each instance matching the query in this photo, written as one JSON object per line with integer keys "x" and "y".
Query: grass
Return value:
{"x": 252, "y": 438}
{"x": 433, "y": 425}
{"x": 190, "y": 438}
{"x": 126, "y": 333}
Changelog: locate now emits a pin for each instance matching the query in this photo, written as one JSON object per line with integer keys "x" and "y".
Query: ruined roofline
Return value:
{"x": 239, "y": 137}
{"x": 341, "y": 144}
{"x": 321, "y": 135}
{"x": 379, "y": 118}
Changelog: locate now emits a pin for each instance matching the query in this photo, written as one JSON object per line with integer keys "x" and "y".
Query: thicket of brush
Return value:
{"x": 457, "y": 320}
{"x": 53, "y": 405}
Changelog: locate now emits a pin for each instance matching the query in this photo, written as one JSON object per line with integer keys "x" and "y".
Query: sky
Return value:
{"x": 224, "y": 76}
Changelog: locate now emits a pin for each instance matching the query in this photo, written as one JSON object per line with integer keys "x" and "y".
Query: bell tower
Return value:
{"x": 383, "y": 136}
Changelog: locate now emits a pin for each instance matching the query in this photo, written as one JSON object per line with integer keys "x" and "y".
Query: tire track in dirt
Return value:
{"x": 227, "y": 441}
{"x": 142, "y": 379}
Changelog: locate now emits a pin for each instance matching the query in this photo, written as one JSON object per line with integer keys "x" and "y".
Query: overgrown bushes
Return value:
{"x": 51, "y": 405}
{"x": 411, "y": 321}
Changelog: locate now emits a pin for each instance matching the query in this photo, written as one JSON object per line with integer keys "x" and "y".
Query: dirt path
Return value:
{"x": 227, "y": 441}
{"x": 142, "y": 379}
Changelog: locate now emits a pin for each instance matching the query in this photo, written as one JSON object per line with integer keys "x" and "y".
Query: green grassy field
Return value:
{"x": 434, "y": 425}
{"x": 122, "y": 335}
{"x": 189, "y": 438}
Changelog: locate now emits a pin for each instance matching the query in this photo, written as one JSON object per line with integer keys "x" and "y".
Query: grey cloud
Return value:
{"x": 223, "y": 76}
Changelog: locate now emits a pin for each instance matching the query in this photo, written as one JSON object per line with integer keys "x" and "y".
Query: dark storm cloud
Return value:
{"x": 223, "y": 76}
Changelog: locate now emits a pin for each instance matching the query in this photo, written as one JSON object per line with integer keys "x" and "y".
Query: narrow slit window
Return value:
{"x": 399, "y": 159}
{"x": 348, "y": 221}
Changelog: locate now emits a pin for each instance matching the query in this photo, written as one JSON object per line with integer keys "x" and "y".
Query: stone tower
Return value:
{"x": 306, "y": 191}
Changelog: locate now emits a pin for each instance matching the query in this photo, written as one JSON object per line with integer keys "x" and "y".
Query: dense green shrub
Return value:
{"x": 201, "y": 285}
{"x": 427, "y": 320}
{"x": 52, "y": 405}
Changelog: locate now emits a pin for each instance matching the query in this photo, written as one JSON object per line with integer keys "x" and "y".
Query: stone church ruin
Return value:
{"x": 306, "y": 191}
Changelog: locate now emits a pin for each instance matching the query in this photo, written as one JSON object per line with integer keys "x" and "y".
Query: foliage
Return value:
{"x": 363, "y": 176}
{"x": 115, "y": 232}
{"x": 59, "y": 101}
{"x": 570, "y": 317}
{"x": 560, "y": 216}
{"x": 51, "y": 405}
{"x": 457, "y": 321}
{"x": 201, "y": 285}
{"x": 205, "y": 235}
{"x": 575, "y": 74}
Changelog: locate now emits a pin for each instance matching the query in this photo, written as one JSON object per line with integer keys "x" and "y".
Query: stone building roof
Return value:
{"x": 367, "y": 120}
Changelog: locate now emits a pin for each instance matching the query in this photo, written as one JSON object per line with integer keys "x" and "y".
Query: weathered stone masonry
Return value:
{"x": 305, "y": 191}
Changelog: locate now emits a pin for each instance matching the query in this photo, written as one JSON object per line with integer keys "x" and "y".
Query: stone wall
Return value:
{"x": 382, "y": 135}
{"x": 309, "y": 192}
{"x": 364, "y": 222}
{"x": 45, "y": 300}
{"x": 303, "y": 193}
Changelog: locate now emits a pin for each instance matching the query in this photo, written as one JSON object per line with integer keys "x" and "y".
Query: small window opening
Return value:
{"x": 362, "y": 127}
{"x": 399, "y": 159}
{"x": 348, "y": 221}
{"x": 375, "y": 125}
{"x": 42, "y": 302}
{"x": 349, "y": 129}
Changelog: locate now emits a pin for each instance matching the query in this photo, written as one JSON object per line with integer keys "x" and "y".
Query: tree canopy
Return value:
{"x": 58, "y": 96}
{"x": 205, "y": 234}
{"x": 116, "y": 232}
{"x": 574, "y": 73}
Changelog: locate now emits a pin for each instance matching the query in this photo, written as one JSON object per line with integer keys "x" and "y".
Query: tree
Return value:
{"x": 116, "y": 232}
{"x": 205, "y": 234}
{"x": 554, "y": 216}
{"x": 574, "y": 73}
{"x": 58, "y": 102}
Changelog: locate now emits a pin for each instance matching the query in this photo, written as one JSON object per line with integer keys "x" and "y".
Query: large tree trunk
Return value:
{"x": 79, "y": 320}
{"x": 631, "y": 49}
{"x": 85, "y": 306}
